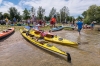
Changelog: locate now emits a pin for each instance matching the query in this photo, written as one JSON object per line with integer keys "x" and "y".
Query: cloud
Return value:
{"x": 0, "y": 1}
{"x": 76, "y": 7}
{"x": 6, "y": 5}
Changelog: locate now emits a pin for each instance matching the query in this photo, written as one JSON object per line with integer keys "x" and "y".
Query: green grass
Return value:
{"x": 4, "y": 27}
{"x": 46, "y": 28}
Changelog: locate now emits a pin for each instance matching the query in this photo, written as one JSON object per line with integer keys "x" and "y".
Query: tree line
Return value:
{"x": 91, "y": 14}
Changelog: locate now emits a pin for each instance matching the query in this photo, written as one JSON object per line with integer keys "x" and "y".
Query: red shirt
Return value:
{"x": 53, "y": 19}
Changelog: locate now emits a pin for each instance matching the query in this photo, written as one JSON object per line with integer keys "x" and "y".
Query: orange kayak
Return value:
{"x": 7, "y": 32}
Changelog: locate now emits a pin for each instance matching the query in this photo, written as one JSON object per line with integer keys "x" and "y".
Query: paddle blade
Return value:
{"x": 68, "y": 57}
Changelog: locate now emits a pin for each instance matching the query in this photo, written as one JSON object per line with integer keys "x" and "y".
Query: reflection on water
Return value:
{"x": 16, "y": 51}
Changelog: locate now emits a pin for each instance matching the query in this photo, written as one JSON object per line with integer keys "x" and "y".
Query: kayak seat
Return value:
{"x": 9, "y": 29}
{"x": 56, "y": 36}
{"x": 27, "y": 33}
{"x": 37, "y": 32}
{"x": 42, "y": 41}
{"x": 49, "y": 45}
{"x": 24, "y": 31}
{"x": 35, "y": 38}
{"x": 49, "y": 36}
{"x": 41, "y": 37}
{"x": 31, "y": 35}
{"x": 4, "y": 31}
{"x": 60, "y": 39}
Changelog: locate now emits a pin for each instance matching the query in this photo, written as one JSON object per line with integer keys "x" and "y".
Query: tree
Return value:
{"x": 26, "y": 14}
{"x": 58, "y": 17}
{"x": 1, "y": 16}
{"x": 84, "y": 14}
{"x": 52, "y": 12}
{"x": 40, "y": 13}
{"x": 79, "y": 18}
{"x": 6, "y": 15}
{"x": 46, "y": 18}
{"x": 71, "y": 18}
{"x": 98, "y": 14}
{"x": 92, "y": 14}
{"x": 64, "y": 12}
{"x": 14, "y": 13}
{"x": 32, "y": 11}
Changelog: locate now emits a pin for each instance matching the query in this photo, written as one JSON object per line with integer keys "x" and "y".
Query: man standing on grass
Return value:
{"x": 6, "y": 21}
{"x": 53, "y": 21}
{"x": 34, "y": 20}
{"x": 80, "y": 25}
{"x": 14, "y": 20}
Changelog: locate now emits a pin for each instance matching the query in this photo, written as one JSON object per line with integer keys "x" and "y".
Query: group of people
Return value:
{"x": 35, "y": 22}
{"x": 78, "y": 24}
{"x": 6, "y": 21}
{"x": 41, "y": 22}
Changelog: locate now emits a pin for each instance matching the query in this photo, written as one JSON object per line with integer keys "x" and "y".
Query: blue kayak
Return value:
{"x": 28, "y": 27}
{"x": 57, "y": 28}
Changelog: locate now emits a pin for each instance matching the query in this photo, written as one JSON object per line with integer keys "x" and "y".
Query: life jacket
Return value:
{"x": 53, "y": 19}
{"x": 42, "y": 34}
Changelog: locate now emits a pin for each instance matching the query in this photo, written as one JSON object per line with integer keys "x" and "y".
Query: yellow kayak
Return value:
{"x": 54, "y": 38}
{"x": 36, "y": 33}
{"x": 44, "y": 44}
{"x": 57, "y": 39}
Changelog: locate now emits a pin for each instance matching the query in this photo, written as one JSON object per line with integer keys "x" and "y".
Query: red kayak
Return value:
{"x": 7, "y": 32}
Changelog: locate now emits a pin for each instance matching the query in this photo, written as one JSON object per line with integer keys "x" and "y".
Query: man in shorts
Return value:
{"x": 53, "y": 21}
{"x": 80, "y": 25}
{"x": 14, "y": 20}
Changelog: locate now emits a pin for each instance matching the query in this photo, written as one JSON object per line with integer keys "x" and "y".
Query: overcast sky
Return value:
{"x": 76, "y": 7}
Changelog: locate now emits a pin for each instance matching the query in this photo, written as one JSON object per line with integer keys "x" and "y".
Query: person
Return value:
{"x": 40, "y": 22}
{"x": 34, "y": 20}
{"x": 53, "y": 21}
{"x": 42, "y": 34}
{"x": 92, "y": 25}
{"x": 14, "y": 20}
{"x": 72, "y": 24}
{"x": 6, "y": 21}
{"x": 80, "y": 25}
{"x": 28, "y": 21}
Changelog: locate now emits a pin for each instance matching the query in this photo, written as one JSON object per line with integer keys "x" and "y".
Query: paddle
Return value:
{"x": 68, "y": 57}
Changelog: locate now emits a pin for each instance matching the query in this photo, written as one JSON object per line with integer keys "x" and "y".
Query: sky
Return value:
{"x": 76, "y": 7}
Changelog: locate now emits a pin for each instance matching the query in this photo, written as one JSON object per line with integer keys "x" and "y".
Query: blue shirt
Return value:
{"x": 92, "y": 25}
{"x": 79, "y": 24}
{"x": 14, "y": 19}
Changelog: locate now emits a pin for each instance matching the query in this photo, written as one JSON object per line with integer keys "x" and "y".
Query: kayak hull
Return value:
{"x": 57, "y": 29}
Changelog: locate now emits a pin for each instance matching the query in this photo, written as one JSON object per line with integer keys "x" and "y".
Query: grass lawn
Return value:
{"x": 46, "y": 28}
{"x": 4, "y": 27}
